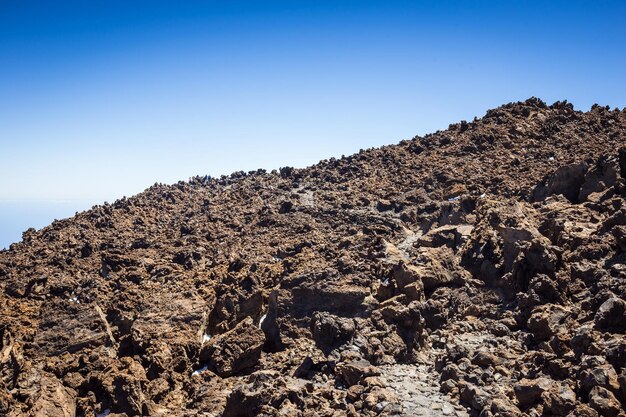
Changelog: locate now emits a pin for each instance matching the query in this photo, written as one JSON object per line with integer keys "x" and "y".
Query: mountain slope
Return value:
{"x": 481, "y": 266}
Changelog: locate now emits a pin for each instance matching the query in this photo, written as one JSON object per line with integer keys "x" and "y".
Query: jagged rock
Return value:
{"x": 553, "y": 396}
{"x": 452, "y": 236}
{"x": 546, "y": 320}
{"x": 603, "y": 375}
{"x": 600, "y": 177}
{"x": 583, "y": 410}
{"x": 414, "y": 291}
{"x": 604, "y": 402}
{"x": 53, "y": 399}
{"x": 493, "y": 250}
{"x": 529, "y": 391}
{"x": 566, "y": 180}
{"x": 503, "y": 407}
{"x": 354, "y": 392}
{"x": 356, "y": 371}
{"x": 266, "y": 392}
{"x": 381, "y": 401}
{"x": 583, "y": 339}
{"x": 619, "y": 233}
{"x": 235, "y": 350}
{"x": 560, "y": 399}
{"x": 437, "y": 267}
{"x": 474, "y": 396}
{"x": 484, "y": 359}
{"x": 404, "y": 275}
{"x": 123, "y": 386}
{"x": 404, "y": 316}
{"x": 293, "y": 304}
{"x": 329, "y": 331}
{"x": 506, "y": 248}
{"x": 612, "y": 315}
{"x": 435, "y": 313}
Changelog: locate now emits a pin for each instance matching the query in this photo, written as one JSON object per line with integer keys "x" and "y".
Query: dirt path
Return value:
{"x": 417, "y": 387}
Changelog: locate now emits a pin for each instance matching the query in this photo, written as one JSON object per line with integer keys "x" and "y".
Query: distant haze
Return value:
{"x": 18, "y": 215}
{"x": 101, "y": 99}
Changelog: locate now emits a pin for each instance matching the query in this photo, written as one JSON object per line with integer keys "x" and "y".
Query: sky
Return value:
{"x": 101, "y": 99}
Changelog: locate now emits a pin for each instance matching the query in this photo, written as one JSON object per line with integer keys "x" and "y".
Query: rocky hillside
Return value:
{"x": 479, "y": 270}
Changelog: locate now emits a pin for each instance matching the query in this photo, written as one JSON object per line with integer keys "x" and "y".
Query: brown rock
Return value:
{"x": 474, "y": 396}
{"x": 235, "y": 350}
{"x": 354, "y": 372}
{"x": 545, "y": 321}
{"x": 503, "y": 407}
{"x": 484, "y": 358}
{"x": 53, "y": 400}
{"x": 619, "y": 233}
{"x": 600, "y": 376}
{"x": 528, "y": 391}
{"x": 560, "y": 399}
{"x": 354, "y": 392}
{"x": 452, "y": 236}
{"x": 583, "y": 410}
{"x": 354, "y": 257}
{"x": 438, "y": 267}
{"x": 604, "y": 402}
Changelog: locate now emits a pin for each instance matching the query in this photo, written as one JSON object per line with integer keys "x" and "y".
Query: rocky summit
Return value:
{"x": 476, "y": 271}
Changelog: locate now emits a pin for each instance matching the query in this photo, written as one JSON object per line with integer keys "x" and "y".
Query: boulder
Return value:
{"x": 604, "y": 174}
{"x": 452, "y": 236}
{"x": 408, "y": 280}
{"x": 566, "y": 180}
{"x": 435, "y": 313}
{"x": 354, "y": 372}
{"x": 235, "y": 350}
{"x": 473, "y": 395}
{"x": 265, "y": 393}
{"x": 484, "y": 358}
{"x": 604, "y": 402}
{"x": 438, "y": 267}
{"x": 503, "y": 407}
{"x": 123, "y": 385}
{"x": 330, "y": 331}
{"x": 529, "y": 391}
{"x": 611, "y": 315}
{"x": 583, "y": 410}
{"x": 53, "y": 399}
{"x": 619, "y": 233}
{"x": 599, "y": 376}
{"x": 546, "y": 320}
{"x": 405, "y": 316}
{"x": 556, "y": 396}
{"x": 583, "y": 339}
{"x": 560, "y": 399}
{"x": 405, "y": 274}
{"x": 506, "y": 249}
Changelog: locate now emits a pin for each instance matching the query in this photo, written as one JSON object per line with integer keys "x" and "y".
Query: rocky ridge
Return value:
{"x": 474, "y": 271}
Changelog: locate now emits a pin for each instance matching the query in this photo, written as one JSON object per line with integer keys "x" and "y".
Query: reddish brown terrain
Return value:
{"x": 479, "y": 270}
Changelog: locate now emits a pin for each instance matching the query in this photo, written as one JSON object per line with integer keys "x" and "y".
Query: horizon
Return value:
{"x": 102, "y": 100}
{"x": 39, "y": 213}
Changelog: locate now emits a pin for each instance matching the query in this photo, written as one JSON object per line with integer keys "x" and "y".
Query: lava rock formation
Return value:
{"x": 479, "y": 270}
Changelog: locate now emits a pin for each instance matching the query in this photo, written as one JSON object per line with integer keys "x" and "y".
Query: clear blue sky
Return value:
{"x": 100, "y": 99}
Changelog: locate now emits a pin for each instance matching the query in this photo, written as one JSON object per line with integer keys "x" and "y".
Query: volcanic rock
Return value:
{"x": 235, "y": 350}
{"x": 478, "y": 270}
